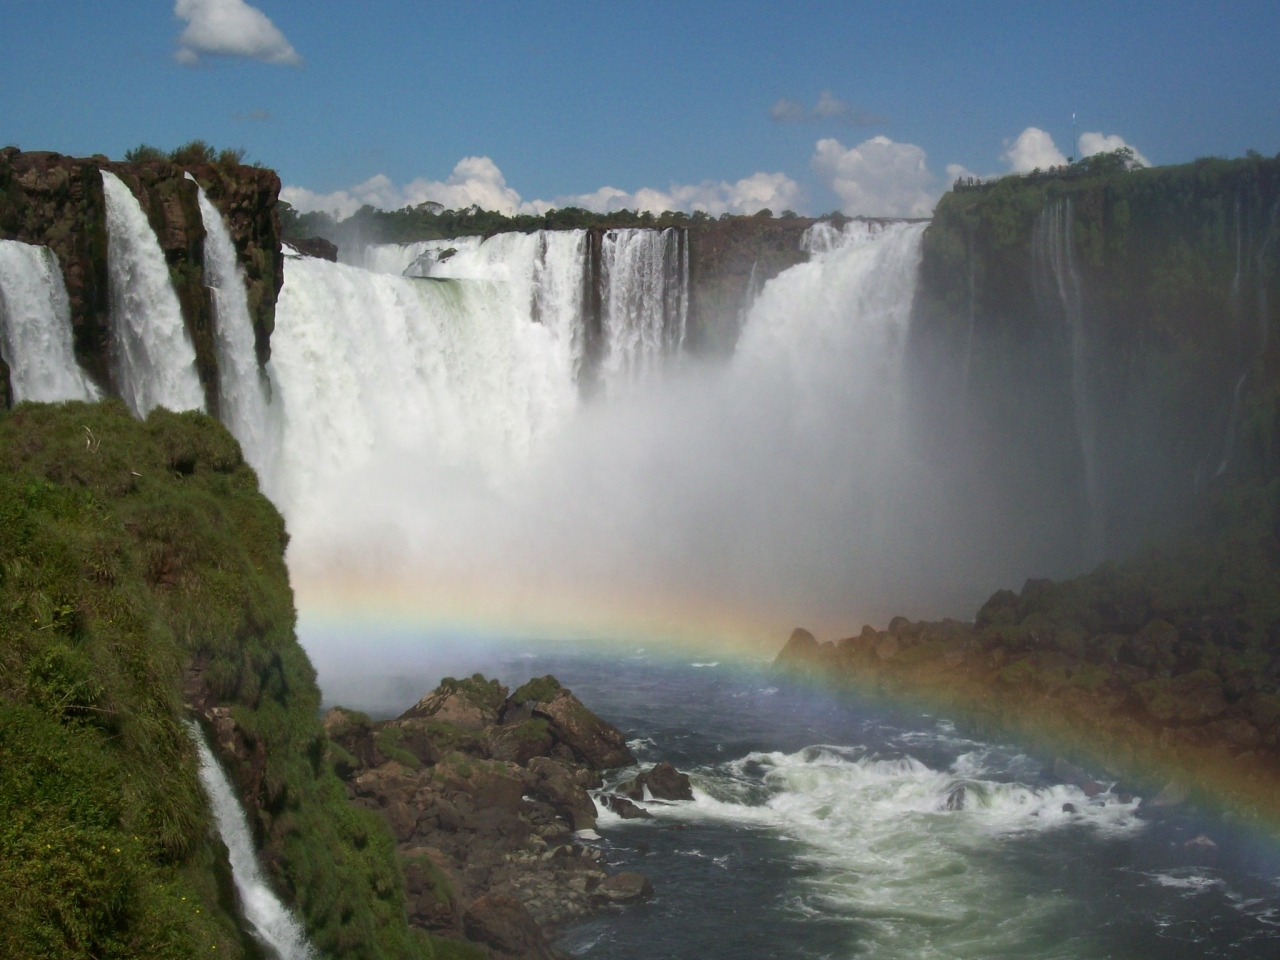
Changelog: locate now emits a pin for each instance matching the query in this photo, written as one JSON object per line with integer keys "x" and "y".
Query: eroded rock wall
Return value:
{"x": 57, "y": 201}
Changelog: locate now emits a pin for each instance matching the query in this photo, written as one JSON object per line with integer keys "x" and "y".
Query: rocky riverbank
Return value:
{"x": 488, "y": 795}
{"x": 1165, "y": 669}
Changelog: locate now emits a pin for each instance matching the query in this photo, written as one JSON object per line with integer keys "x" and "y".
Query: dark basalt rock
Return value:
{"x": 504, "y": 926}
{"x": 317, "y": 247}
{"x": 664, "y": 781}
{"x": 484, "y": 793}
{"x": 56, "y": 201}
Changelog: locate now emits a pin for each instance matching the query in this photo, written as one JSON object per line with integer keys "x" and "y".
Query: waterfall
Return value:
{"x": 152, "y": 358}
{"x": 644, "y": 299}
{"x": 1058, "y": 281}
{"x": 242, "y": 387}
{"x": 272, "y": 922}
{"x": 366, "y": 363}
{"x": 35, "y": 327}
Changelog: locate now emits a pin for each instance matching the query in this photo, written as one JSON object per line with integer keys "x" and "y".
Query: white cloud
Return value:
{"x": 230, "y": 28}
{"x": 477, "y": 180}
{"x": 788, "y": 111}
{"x": 1091, "y": 143}
{"x": 1033, "y": 149}
{"x": 773, "y": 191}
{"x": 878, "y": 177}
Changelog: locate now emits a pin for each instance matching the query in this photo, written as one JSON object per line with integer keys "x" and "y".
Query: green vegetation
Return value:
{"x": 538, "y": 690}
{"x": 130, "y": 552}
{"x": 188, "y": 155}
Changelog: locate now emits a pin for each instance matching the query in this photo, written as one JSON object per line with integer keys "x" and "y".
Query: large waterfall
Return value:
{"x": 272, "y": 923}
{"x": 243, "y": 396}
{"x": 152, "y": 359}
{"x": 35, "y": 327}
{"x": 435, "y": 439}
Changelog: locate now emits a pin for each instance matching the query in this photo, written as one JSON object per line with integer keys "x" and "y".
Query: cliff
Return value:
{"x": 1100, "y": 341}
{"x": 143, "y": 577}
{"x": 1103, "y": 335}
{"x": 57, "y": 201}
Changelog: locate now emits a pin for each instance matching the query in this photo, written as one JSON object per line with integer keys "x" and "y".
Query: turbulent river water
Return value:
{"x": 821, "y": 829}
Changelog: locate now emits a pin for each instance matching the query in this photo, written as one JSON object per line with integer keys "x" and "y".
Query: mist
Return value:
{"x": 688, "y": 500}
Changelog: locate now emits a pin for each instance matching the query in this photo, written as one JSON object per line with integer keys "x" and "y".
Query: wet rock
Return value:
{"x": 664, "y": 782}
{"x": 317, "y": 247}
{"x": 624, "y": 807}
{"x": 552, "y": 781}
{"x": 1069, "y": 808}
{"x": 503, "y": 925}
{"x": 955, "y": 799}
{"x": 625, "y": 888}
{"x": 597, "y": 743}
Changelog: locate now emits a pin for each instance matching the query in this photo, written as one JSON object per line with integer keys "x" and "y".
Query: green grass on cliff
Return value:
{"x": 126, "y": 550}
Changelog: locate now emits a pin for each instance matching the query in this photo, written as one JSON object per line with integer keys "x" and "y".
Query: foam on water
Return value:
{"x": 905, "y": 849}
{"x": 35, "y": 327}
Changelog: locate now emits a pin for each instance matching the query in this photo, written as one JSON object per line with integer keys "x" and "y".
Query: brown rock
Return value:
{"x": 595, "y": 742}
{"x": 504, "y": 926}
{"x": 665, "y": 782}
{"x": 624, "y": 807}
{"x": 625, "y": 888}
{"x": 552, "y": 781}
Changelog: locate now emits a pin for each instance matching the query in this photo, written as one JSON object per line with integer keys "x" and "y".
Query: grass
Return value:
{"x": 127, "y": 550}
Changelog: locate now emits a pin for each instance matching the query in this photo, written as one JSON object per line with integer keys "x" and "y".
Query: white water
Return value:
{"x": 153, "y": 361}
{"x": 271, "y": 921}
{"x": 1054, "y": 254}
{"x": 911, "y": 852}
{"x": 644, "y": 294}
{"x": 371, "y": 367}
{"x": 447, "y": 449}
{"x": 35, "y": 327}
{"x": 243, "y": 397}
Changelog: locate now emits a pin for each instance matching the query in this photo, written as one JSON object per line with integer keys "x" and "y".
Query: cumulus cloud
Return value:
{"x": 878, "y": 177}
{"x": 1033, "y": 149}
{"x": 230, "y": 28}
{"x": 478, "y": 181}
{"x": 760, "y": 191}
{"x": 1091, "y": 143}
{"x": 475, "y": 180}
{"x": 828, "y": 108}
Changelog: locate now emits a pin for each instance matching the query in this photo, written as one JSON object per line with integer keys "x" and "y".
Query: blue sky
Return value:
{"x": 558, "y": 100}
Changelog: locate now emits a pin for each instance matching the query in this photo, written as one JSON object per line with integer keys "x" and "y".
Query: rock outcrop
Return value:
{"x": 485, "y": 792}
{"x": 56, "y": 201}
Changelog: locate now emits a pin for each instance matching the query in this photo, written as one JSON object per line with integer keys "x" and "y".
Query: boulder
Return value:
{"x": 504, "y": 926}
{"x": 624, "y": 807}
{"x": 552, "y": 781}
{"x": 625, "y": 888}
{"x": 597, "y": 743}
{"x": 665, "y": 782}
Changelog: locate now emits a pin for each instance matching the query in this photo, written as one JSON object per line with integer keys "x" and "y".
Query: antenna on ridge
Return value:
{"x": 1074, "y": 144}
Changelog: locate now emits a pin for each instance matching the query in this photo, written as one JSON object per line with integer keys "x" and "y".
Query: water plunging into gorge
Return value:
{"x": 35, "y": 327}
{"x": 152, "y": 359}
{"x": 270, "y": 920}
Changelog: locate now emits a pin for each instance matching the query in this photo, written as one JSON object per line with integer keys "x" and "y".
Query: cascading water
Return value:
{"x": 1058, "y": 277}
{"x": 35, "y": 327}
{"x": 368, "y": 365}
{"x": 271, "y": 921}
{"x": 153, "y": 361}
{"x": 434, "y": 434}
{"x": 644, "y": 299}
{"x": 242, "y": 387}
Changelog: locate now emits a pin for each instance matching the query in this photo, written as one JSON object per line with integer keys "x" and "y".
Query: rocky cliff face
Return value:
{"x": 57, "y": 201}
{"x": 1107, "y": 340}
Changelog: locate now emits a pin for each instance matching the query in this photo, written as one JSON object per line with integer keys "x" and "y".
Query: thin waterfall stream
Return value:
{"x": 271, "y": 921}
